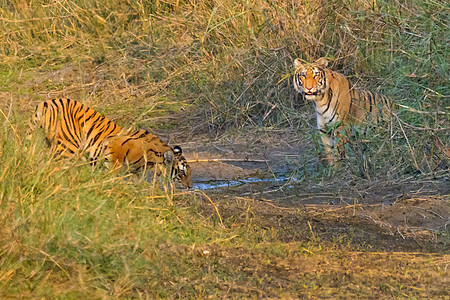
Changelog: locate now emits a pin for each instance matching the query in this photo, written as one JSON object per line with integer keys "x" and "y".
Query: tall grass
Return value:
{"x": 69, "y": 231}
{"x": 236, "y": 53}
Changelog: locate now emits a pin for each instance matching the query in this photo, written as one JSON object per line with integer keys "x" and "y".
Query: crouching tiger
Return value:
{"x": 336, "y": 103}
{"x": 71, "y": 128}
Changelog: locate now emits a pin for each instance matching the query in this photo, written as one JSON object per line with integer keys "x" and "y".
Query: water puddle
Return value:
{"x": 212, "y": 184}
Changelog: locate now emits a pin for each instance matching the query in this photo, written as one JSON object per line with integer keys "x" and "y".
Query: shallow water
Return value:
{"x": 212, "y": 184}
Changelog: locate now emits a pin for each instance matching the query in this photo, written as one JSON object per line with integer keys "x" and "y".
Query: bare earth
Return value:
{"x": 396, "y": 215}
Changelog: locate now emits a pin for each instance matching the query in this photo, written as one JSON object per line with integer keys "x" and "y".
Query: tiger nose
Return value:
{"x": 309, "y": 85}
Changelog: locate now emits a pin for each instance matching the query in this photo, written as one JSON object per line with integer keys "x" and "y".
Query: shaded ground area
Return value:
{"x": 392, "y": 241}
{"x": 258, "y": 184}
{"x": 338, "y": 237}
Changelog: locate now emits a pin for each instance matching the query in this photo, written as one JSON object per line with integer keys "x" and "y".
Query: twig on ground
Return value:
{"x": 379, "y": 223}
{"x": 422, "y": 128}
{"x": 431, "y": 212}
{"x": 227, "y": 159}
{"x": 407, "y": 141}
{"x": 421, "y": 111}
{"x": 213, "y": 204}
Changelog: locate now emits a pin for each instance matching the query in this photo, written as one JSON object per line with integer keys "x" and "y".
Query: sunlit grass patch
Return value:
{"x": 64, "y": 222}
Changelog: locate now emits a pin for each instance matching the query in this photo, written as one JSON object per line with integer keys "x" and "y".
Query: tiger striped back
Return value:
{"x": 71, "y": 128}
{"x": 367, "y": 106}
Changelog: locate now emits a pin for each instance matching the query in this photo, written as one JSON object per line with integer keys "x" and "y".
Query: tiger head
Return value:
{"x": 311, "y": 79}
{"x": 180, "y": 169}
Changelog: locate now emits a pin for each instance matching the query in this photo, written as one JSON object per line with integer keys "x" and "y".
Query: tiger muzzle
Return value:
{"x": 312, "y": 94}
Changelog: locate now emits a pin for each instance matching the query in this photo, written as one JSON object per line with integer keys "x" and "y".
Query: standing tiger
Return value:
{"x": 71, "y": 128}
{"x": 337, "y": 103}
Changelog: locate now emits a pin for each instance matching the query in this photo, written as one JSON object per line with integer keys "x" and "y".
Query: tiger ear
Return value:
{"x": 322, "y": 62}
{"x": 177, "y": 150}
{"x": 298, "y": 64}
{"x": 168, "y": 157}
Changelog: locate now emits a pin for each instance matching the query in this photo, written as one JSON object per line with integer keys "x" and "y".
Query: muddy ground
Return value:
{"x": 257, "y": 176}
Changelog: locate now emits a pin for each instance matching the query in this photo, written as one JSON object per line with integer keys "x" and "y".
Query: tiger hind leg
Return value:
{"x": 341, "y": 143}
{"x": 360, "y": 148}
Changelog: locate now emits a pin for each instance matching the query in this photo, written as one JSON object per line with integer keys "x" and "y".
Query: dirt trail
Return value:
{"x": 406, "y": 215}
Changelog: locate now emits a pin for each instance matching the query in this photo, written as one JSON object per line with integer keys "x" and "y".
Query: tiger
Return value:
{"x": 337, "y": 103}
{"x": 71, "y": 129}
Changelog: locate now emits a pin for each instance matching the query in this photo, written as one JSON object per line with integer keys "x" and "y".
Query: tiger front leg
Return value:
{"x": 328, "y": 143}
{"x": 334, "y": 140}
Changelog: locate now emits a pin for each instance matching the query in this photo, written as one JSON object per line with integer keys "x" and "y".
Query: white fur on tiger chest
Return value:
{"x": 326, "y": 115}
